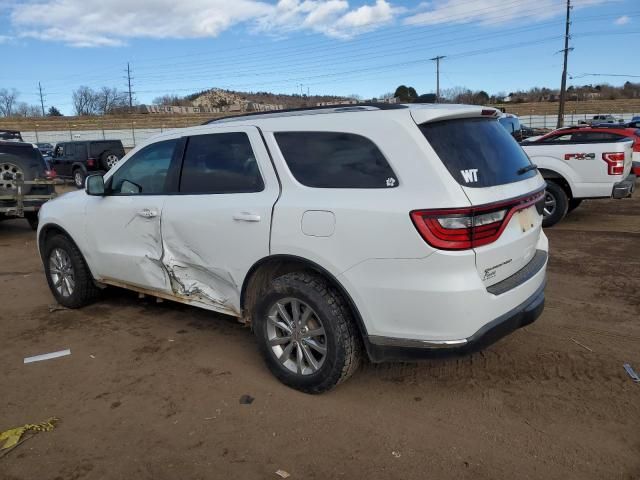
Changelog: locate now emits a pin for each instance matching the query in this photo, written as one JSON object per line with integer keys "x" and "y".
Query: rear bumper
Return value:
{"x": 624, "y": 188}
{"x": 383, "y": 349}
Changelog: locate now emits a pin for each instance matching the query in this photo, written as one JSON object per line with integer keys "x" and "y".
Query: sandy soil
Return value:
{"x": 151, "y": 391}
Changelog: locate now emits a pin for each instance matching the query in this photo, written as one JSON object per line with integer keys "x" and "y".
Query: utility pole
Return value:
{"x": 41, "y": 98}
{"x": 129, "y": 83}
{"x": 563, "y": 85}
{"x": 437, "y": 60}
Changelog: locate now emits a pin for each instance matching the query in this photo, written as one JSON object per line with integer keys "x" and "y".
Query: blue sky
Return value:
{"x": 323, "y": 46}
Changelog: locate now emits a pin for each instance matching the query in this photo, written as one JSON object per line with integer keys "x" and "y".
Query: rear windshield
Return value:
{"x": 478, "y": 152}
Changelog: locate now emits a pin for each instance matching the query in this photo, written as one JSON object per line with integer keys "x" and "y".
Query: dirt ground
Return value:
{"x": 151, "y": 391}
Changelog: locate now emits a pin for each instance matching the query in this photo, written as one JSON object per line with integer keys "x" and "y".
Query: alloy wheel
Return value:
{"x": 112, "y": 160}
{"x": 61, "y": 272}
{"x": 296, "y": 336}
{"x": 549, "y": 204}
{"x": 9, "y": 173}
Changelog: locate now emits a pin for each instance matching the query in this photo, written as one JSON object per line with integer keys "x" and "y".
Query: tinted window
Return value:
{"x": 23, "y": 151}
{"x": 145, "y": 172}
{"x": 563, "y": 137}
{"x": 597, "y": 137}
{"x": 97, "y": 148}
{"x": 477, "y": 152}
{"x": 220, "y": 163}
{"x": 335, "y": 160}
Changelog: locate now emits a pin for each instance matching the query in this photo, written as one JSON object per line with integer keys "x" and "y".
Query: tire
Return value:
{"x": 11, "y": 168}
{"x": 329, "y": 314}
{"x": 108, "y": 159}
{"x": 32, "y": 218}
{"x": 556, "y": 204}
{"x": 79, "y": 177}
{"x": 573, "y": 204}
{"x": 61, "y": 255}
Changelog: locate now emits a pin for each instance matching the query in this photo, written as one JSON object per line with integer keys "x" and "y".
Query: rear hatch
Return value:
{"x": 505, "y": 191}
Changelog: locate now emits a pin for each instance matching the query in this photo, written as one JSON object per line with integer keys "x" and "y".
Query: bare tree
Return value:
{"x": 7, "y": 101}
{"x": 85, "y": 101}
{"x": 108, "y": 99}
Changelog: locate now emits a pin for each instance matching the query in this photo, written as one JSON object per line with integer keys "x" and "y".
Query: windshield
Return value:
{"x": 478, "y": 152}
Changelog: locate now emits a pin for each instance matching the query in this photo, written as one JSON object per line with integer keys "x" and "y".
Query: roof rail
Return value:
{"x": 358, "y": 107}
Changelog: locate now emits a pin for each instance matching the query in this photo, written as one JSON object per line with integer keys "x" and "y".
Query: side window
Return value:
{"x": 145, "y": 172}
{"x": 335, "y": 160}
{"x": 559, "y": 138}
{"x": 80, "y": 150}
{"x": 220, "y": 163}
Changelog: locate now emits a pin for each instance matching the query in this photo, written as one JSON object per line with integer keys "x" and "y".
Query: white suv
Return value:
{"x": 403, "y": 231}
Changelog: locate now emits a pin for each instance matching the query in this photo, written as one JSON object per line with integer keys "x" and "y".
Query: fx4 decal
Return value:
{"x": 470, "y": 176}
{"x": 579, "y": 156}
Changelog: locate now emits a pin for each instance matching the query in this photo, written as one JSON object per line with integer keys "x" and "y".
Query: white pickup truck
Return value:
{"x": 577, "y": 170}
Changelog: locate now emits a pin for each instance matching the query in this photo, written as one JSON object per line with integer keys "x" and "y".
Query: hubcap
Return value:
{"x": 61, "y": 272}
{"x": 112, "y": 160}
{"x": 296, "y": 336}
{"x": 549, "y": 204}
{"x": 9, "y": 173}
{"x": 78, "y": 178}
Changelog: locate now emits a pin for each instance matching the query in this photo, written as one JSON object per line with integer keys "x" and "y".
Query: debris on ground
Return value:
{"x": 14, "y": 436}
{"x": 582, "y": 345}
{"x": 47, "y": 356}
{"x": 282, "y": 474}
{"x": 396, "y": 454}
{"x": 55, "y": 308}
{"x": 246, "y": 400}
{"x": 632, "y": 373}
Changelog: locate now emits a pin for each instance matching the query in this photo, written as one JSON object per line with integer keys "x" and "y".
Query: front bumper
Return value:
{"x": 624, "y": 188}
{"x": 384, "y": 349}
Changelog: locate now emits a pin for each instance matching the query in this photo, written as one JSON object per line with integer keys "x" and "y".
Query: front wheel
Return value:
{"x": 68, "y": 276}
{"x": 78, "y": 178}
{"x": 556, "y": 204}
{"x": 306, "y": 333}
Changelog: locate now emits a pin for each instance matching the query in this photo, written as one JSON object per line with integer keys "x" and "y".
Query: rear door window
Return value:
{"x": 478, "y": 152}
{"x": 335, "y": 160}
{"x": 220, "y": 163}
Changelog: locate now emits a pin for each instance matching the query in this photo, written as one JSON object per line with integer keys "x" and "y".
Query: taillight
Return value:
{"x": 636, "y": 146}
{"x": 91, "y": 162}
{"x": 465, "y": 228}
{"x": 615, "y": 162}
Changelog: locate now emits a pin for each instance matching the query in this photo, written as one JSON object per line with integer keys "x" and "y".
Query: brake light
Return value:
{"x": 615, "y": 162}
{"x": 91, "y": 162}
{"x": 465, "y": 228}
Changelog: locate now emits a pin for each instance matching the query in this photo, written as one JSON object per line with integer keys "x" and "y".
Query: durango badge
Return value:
{"x": 470, "y": 176}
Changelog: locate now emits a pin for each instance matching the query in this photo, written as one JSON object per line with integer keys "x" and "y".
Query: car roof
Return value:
{"x": 16, "y": 144}
{"x": 421, "y": 113}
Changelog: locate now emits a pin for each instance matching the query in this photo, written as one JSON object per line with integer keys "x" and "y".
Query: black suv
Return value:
{"x": 77, "y": 159}
{"x": 22, "y": 161}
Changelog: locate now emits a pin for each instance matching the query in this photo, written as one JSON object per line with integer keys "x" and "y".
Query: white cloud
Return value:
{"x": 84, "y": 23}
{"x": 623, "y": 20}
{"x": 489, "y": 12}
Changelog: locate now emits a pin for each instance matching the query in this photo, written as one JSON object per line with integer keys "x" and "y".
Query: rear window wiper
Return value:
{"x": 528, "y": 168}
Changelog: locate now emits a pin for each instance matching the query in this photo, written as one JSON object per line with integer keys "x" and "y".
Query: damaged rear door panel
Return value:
{"x": 219, "y": 223}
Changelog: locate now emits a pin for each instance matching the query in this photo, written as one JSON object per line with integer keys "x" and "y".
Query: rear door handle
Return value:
{"x": 148, "y": 213}
{"x": 246, "y": 217}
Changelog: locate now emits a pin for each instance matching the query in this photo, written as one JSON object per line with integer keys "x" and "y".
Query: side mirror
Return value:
{"x": 94, "y": 185}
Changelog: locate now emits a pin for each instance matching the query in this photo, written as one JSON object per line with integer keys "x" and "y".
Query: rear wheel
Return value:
{"x": 67, "y": 273}
{"x": 12, "y": 170}
{"x": 306, "y": 333}
{"x": 556, "y": 204}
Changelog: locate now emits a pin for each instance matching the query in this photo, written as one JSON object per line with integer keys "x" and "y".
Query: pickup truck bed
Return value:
{"x": 575, "y": 171}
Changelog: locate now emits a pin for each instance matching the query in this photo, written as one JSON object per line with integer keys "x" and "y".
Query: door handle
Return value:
{"x": 246, "y": 217}
{"x": 148, "y": 213}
